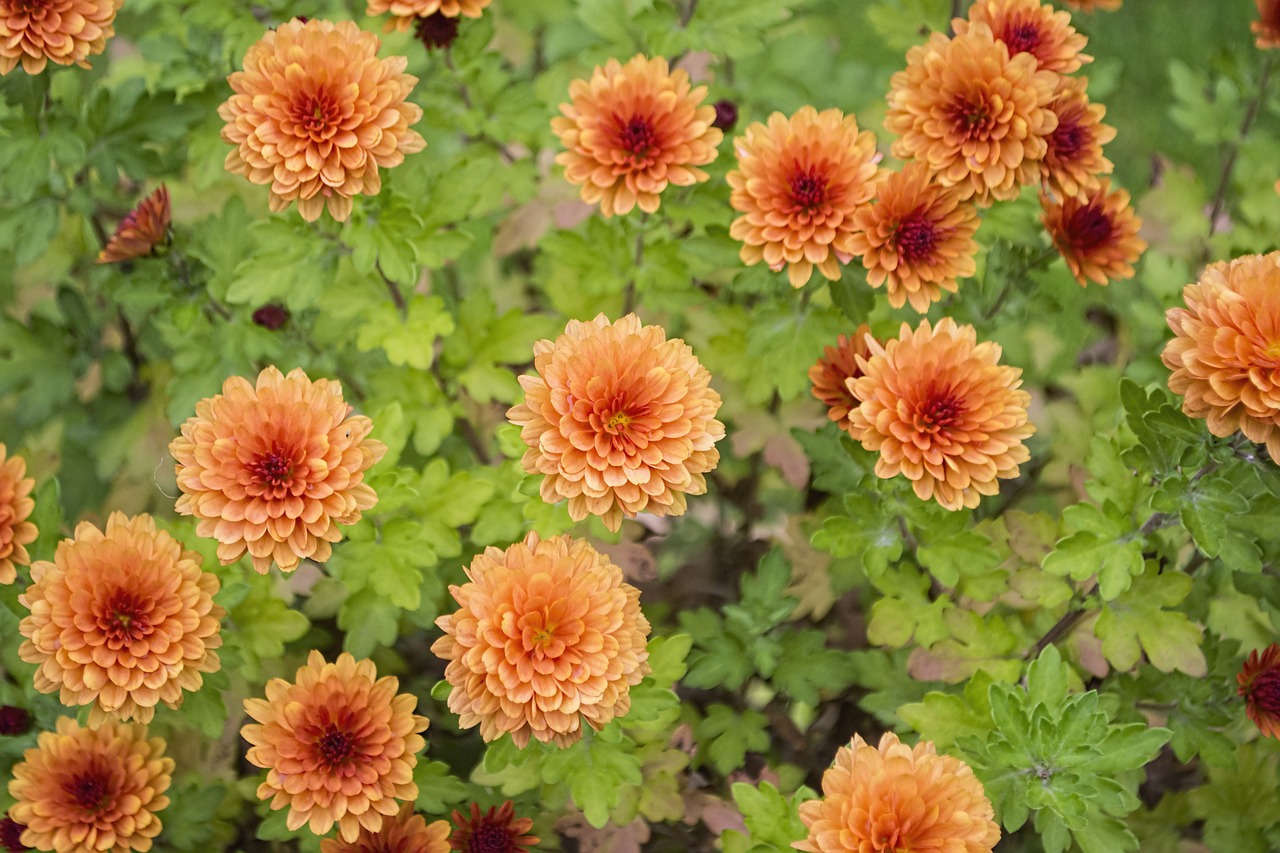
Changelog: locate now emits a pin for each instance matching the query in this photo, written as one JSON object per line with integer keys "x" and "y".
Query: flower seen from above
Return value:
{"x": 1074, "y": 160}
{"x": 830, "y": 376}
{"x": 405, "y": 13}
{"x": 16, "y": 532}
{"x": 547, "y": 634}
{"x": 1259, "y": 682}
{"x": 1096, "y": 233}
{"x": 633, "y": 129}
{"x": 405, "y": 833}
{"x": 496, "y": 831}
{"x": 144, "y": 228}
{"x": 1029, "y": 26}
{"x": 1094, "y": 5}
{"x": 64, "y": 32}
{"x": 274, "y": 468}
{"x": 1267, "y": 27}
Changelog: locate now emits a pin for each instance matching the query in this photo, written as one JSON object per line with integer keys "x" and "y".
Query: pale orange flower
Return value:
{"x": 798, "y": 184}
{"x": 315, "y": 113}
{"x": 405, "y": 13}
{"x": 917, "y": 239}
{"x": 1259, "y": 682}
{"x": 1096, "y": 233}
{"x": 496, "y": 831}
{"x": 547, "y": 634}
{"x": 405, "y": 833}
{"x": 16, "y": 532}
{"x": 1029, "y": 26}
{"x": 1267, "y": 27}
{"x": 633, "y": 129}
{"x": 64, "y": 32}
{"x": 895, "y": 798}
{"x": 1225, "y": 354}
{"x": 121, "y": 620}
{"x": 941, "y": 410}
{"x": 91, "y": 789}
{"x": 144, "y": 228}
{"x": 619, "y": 419}
{"x": 1074, "y": 160}
{"x": 976, "y": 116}
{"x": 274, "y": 469}
{"x": 831, "y": 375}
{"x": 339, "y": 745}
{"x": 1092, "y": 5}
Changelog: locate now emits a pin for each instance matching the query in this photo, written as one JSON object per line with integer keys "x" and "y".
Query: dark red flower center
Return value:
{"x": 273, "y": 468}
{"x": 34, "y": 8}
{"x": 490, "y": 838}
{"x": 916, "y": 238}
{"x": 126, "y": 617}
{"x": 1068, "y": 139}
{"x": 89, "y": 790}
{"x": 1022, "y": 37}
{"x": 1264, "y": 692}
{"x": 1089, "y": 227}
{"x": 636, "y": 136}
{"x": 336, "y": 746}
{"x": 318, "y": 116}
{"x": 808, "y": 188}
{"x": 974, "y": 116}
{"x": 938, "y": 411}
{"x": 11, "y": 835}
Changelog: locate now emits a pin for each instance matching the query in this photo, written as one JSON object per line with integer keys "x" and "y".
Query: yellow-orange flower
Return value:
{"x": 1091, "y": 5}
{"x": 831, "y": 375}
{"x": 1225, "y": 354}
{"x": 895, "y": 797}
{"x": 976, "y": 116}
{"x": 315, "y": 113}
{"x": 274, "y": 469}
{"x": 1029, "y": 26}
{"x": 496, "y": 831}
{"x": 798, "y": 184}
{"x": 619, "y": 419}
{"x": 64, "y": 32}
{"x": 1259, "y": 682}
{"x": 1096, "y": 233}
{"x": 1267, "y": 27}
{"x": 405, "y": 833}
{"x": 942, "y": 411}
{"x": 547, "y": 634}
{"x": 15, "y": 508}
{"x": 91, "y": 789}
{"x": 405, "y": 13}
{"x": 144, "y": 228}
{"x": 917, "y": 239}
{"x": 1074, "y": 159}
{"x": 633, "y": 129}
{"x": 339, "y": 745}
{"x": 121, "y": 620}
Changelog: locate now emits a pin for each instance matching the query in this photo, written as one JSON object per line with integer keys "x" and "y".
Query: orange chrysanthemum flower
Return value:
{"x": 1092, "y": 5}
{"x": 121, "y": 620}
{"x": 943, "y": 412}
{"x": 1259, "y": 682}
{"x": 1267, "y": 27}
{"x": 144, "y": 228}
{"x": 896, "y": 797}
{"x": 1225, "y": 354}
{"x": 405, "y": 13}
{"x": 91, "y": 789}
{"x": 339, "y": 745}
{"x": 1096, "y": 234}
{"x": 405, "y": 833}
{"x": 64, "y": 32}
{"x": 315, "y": 113}
{"x": 633, "y": 129}
{"x": 1074, "y": 159}
{"x": 976, "y": 116}
{"x": 917, "y": 239}
{"x": 546, "y": 634}
{"x": 1029, "y": 26}
{"x": 798, "y": 184}
{"x": 831, "y": 375}
{"x": 274, "y": 469}
{"x": 496, "y": 831}
{"x": 619, "y": 419}
{"x": 15, "y": 508}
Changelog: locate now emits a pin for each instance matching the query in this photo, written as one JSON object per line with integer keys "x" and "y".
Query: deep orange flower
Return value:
{"x": 91, "y": 789}
{"x": 895, "y": 797}
{"x": 64, "y": 32}
{"x": 619, "y": 419}
{"x": 831, "y": 375}
{"x": 15, "y": 508}
{"x": 1074, "y": 160}
{"x": 1092, "y": 5}
{"x": 1029, "y": 26}
{"x": 496, "y": 831}
{"x": 1259, "y": 682}
{"x": 274, "y": 469}
{"x": 1267, "y": 27}
{"x": 917, "y": 239}
{"x": 315, "y": 113}
{"x": 339, "y": 745}
{"x": 633, "y": 129}
{"x": 798, "y": 184}
{"x": 943, "y": 412}
{"x": 1225, "y": 354}
{"x": 144, "y": 228}
{"x": 547, "y": 634}
{"x": 405, "y": 13}
{"x": 976, "y": 116}
{"x": 1096, "y": 233}
{"x": 121, "y": 620}
{"x": 405, "y": 833}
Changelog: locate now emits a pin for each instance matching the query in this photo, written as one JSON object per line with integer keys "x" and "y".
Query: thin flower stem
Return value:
{"x": 957, "y": 9}
{"x": 629, "y": 294}
{"x": 686, "y": 15}
{"x": 1060, "y": 629}
{"x": 1233, "y": 152}
{"x": 397, "y": 296}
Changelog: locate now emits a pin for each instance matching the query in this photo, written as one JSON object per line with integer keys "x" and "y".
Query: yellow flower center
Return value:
{"x": 1273, "y": 349}
{"x": 618, "y": 421}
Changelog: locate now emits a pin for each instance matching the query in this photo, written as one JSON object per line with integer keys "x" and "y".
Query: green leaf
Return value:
{"x": 1138, "y": 622}
{"x": 773, "y": 819}
{"x": 728, "y": 737}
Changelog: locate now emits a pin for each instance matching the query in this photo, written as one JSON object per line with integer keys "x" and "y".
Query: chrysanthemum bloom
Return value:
{"x": 1267, "y": 27}
{"x": 633, "y": 129}
{"x": 1224, "y": 354}
{"x": 917, "y": 239}
{"x": 831, "y": 375}
{"x": 1096, "y": 233}
{"x": 144, "y": 228}
{"x": 405, "y": 833}
{"x": 1074, "y": 160}
{"x": 1029, "y": 26}
{"x": 11, "y": 835}
{"x": 1259, "y": 682}
{"x": 274, "y": 469}
{"x": 976, "y": 116}
{"x": 15, "y": 508}
{"x": 121, "y": 620}
{"x": 798, "y": 184}
{"x": 496, "y": 831}
{"x": 91, "y": 789}
{"x": 619, "y": 419}
{"x": 547, "y": 634}
{"x": 64, "y": 32}
{"x": 315, "y": 113}
{"x": 941, "y": 410}
{"x": 895, "y": 797}
{"x": 339, "y": 745}
{"x": 1091, "y": 5}
{"x": 406, "y": 12}
{"x": 14, "y": 720}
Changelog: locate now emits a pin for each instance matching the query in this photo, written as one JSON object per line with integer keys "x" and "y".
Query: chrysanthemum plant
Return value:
{"x": 672, "y": 425}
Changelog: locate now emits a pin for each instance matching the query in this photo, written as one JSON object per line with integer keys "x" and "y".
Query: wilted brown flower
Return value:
{"x": 144, "y": 228}
{"x": 315, "y": 113}
{"x": 1029, "y": 26}
{"x": 16, "y": 532}
{"x": 91, "y": 789}
{"x": 64, "y": 32}
{"x": 1074, "y": 160}
{"x": 547, "y": 634}
{"x": 11, "y": 835}
{"x": 436, "y": 31}
{"x": 831, "y": 374}
{"x": 1267, "y": 27}
{"x": 271, "y": 316}
{"x": 1092, "y": 5}
{"x": 405, "y": 833}
{"x": 496, "y": 831}
{"x": 1259, "y": 682}
{"x": 798, "y": 184}
{"x": 339, "y": 745}
{"x": 633, "y": 129}
{"x": 917, "y": 239}
{"x": 898, "y": 798}
{"x": 274, "y": 469}
{"x": 405, "y": 12}
{"x": 14, "y": 720}
{"x": 1096, "y": 233}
